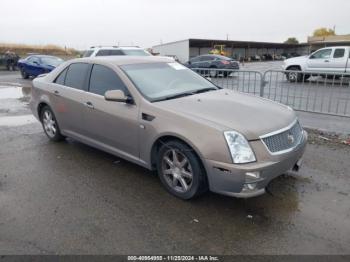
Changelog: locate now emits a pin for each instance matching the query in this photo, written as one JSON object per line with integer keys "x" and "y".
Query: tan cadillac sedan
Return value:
{"x": 163, "y": 116}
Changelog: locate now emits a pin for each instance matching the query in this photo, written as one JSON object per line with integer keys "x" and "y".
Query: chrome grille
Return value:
{"x": 285, "y": 140}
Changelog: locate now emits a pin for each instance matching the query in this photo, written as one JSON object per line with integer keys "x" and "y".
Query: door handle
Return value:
{"x": 89, "y": 105}
{"x": 56, "y": 93}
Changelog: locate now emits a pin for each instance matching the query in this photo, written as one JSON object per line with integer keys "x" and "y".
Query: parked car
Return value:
{"x": 329, "y": 60}
{"x": 9, "y": 60}
{"x": 163, "y": 116}
{"x": 35, "y": 65}
{"x": 255, "y": 58}
{"x": 115, "y": 51}
{"x": 214, "y": 62}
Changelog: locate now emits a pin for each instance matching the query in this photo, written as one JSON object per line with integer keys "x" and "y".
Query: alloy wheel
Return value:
{"x": 177, "y": 170}
{"x": 49, "y": 124}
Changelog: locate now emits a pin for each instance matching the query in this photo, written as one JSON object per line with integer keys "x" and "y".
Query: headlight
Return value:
{"x": 240, "y": 149}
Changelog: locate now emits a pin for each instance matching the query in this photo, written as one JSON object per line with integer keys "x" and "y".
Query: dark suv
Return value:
{"x": 215, "y": 62}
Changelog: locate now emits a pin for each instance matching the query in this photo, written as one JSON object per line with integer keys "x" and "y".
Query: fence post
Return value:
{"x": 262, "y": 84}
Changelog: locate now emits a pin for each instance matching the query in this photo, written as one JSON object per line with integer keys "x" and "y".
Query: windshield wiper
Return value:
{"x": 204, "y": 90}
{"x": 173, "y": 96}
{"x": 186, "y": 94}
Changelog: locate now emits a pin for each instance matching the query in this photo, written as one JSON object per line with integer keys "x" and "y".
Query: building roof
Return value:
{"x": 197, "y": 42}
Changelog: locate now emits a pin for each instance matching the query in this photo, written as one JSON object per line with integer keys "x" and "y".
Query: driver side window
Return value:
{"x": 322, "y": 54}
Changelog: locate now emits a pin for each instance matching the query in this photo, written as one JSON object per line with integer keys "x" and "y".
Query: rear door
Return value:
{"x": 111, "y": 125}
{"x": 338, "y": 60}
{"x": 69, "y": 96}
{"x": 320, "y": 60}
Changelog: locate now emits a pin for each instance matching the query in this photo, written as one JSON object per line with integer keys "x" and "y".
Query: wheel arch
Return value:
{"x": 40, "y": 107}
{"x": 168, "y": 137}
{"x": 290, "y": 66}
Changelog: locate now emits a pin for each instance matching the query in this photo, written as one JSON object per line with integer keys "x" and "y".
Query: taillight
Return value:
{"x": 224, "y": 62}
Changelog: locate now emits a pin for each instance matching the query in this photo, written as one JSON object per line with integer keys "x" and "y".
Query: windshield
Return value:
{"x": 136, "y": 52}
{"x": 50, "y": 60}
{"x": 159, "y": 81}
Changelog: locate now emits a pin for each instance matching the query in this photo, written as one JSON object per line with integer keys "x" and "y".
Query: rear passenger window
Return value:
{"x": 103, "y": 52}
{"x": 103, "y": 79}
{"x": 60, "y": 79}
{"x": 76, "y": 75}
{"x": 116, "y": 52}
{"x": 338, "y": 53}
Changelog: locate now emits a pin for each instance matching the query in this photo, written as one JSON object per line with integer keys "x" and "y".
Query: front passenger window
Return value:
{"x": 103, "y": 79}
{"x": 322, "y": 54}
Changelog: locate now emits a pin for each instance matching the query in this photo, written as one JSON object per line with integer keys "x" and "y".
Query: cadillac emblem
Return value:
{"x": 290, "y": 138}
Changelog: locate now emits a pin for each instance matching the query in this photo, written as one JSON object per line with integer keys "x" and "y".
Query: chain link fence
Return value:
{"x": 320, "y": 92}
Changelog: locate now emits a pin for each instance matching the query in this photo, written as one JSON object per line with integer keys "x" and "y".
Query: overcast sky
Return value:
{"x": 82, "y": 23}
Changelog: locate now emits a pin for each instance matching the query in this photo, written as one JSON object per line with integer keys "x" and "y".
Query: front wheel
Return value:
{"x": 180, "y": 170}
{"x": 24, "y": 74}
{"x": 50, "y": 125}
{"x": 294, "y": 77}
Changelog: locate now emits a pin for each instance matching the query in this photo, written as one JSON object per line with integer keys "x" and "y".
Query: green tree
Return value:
{"x": 291, "y": 40}
{"x": 324, "y": 32}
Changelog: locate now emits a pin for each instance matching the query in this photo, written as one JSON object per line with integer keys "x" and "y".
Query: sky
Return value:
{"x": 83, "y": 23}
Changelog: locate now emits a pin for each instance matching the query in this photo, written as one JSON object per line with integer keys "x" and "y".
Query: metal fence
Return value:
{"x": 320, "y": 92}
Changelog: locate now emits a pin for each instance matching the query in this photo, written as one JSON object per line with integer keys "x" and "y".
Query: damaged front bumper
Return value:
{"x": 250, "y": 180}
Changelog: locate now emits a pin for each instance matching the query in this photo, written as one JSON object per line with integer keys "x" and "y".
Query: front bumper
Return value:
{"x": 230, "y": 179}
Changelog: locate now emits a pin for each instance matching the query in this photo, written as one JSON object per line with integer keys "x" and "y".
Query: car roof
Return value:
{"x": 114, "y": 47}
{"x": 124, "y": 60}
{"x": 34, "y": 55}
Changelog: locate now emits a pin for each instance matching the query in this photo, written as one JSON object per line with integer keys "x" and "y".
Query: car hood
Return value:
{"x": 295, "y": 59}
{"x": 231, "y": 110}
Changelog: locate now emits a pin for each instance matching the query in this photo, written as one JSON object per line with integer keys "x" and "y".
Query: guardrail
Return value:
{"x": 320, "y": 92}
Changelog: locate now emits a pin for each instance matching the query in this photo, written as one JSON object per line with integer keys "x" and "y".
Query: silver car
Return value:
{"x": 163, "y": 116}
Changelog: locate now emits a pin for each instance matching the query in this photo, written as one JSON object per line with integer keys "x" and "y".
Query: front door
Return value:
{"x": 320, "y": 60}
{"x": 108, "y": 124}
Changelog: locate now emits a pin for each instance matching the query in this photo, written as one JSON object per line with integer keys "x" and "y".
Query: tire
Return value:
{"x": 294, "y": 77}
{"x": 306, "y": 77}
{"x": 24, "y": 74}
{"x": 185, "y": 169}
{"x": 50, "y": 125}
{"x": 213, "y": 73}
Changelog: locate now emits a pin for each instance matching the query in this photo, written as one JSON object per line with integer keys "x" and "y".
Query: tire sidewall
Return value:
{"x": 24, "y": 74}
{"x": 58, "y": 136}
{"x": 198, "y": 173}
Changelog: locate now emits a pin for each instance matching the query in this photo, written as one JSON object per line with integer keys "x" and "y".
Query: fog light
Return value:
{"x": 251, "y": 177}
{"x": 249, "y": 187}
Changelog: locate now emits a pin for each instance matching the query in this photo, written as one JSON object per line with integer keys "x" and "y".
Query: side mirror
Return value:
{"x": 117, "y": 96}
{"x": 189, "y": 62}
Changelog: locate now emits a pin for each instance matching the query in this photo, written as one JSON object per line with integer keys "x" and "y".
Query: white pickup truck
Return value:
{"x": 331, "y": 61}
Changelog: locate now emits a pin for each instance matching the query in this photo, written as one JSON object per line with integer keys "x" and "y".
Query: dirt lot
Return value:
{"x": 68, "y": 198}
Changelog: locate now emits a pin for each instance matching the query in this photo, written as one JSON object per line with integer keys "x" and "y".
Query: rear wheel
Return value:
{"x": 50, "y": 124}
{"x": 180, "y": 170}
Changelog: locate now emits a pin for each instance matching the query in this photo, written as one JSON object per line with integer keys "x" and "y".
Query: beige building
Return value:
{"x": 316, "y": 42}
